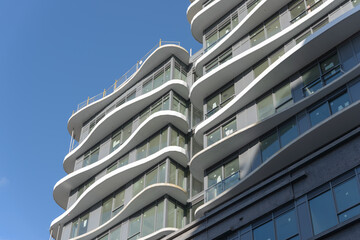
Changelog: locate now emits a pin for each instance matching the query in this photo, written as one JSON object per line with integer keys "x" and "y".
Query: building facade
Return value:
{"x": 256, "y": 136}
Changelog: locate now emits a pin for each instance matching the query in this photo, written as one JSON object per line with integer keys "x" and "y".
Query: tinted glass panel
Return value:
{"x": 257, "y": 37}
{"x": 286, "y": 225}
{"x": 282, "y": 95}
{"x": 154, "y": 144}
{"x": 229, "y": 128}
{"x": 134, "y": 226}
{"x": 231, "y": 168}
{"x": 115, "y": 235}
{"x": 269, "y": 146}
{"x": 158, "y": 80}
{"x": 213, "y": 137}
{"x": 147, "y": 87}
{"x": 261, "y": 67}
{"x": 106, "y": 210}
{"x": 215, "y": 177}
{"x": 213, "y": 103}
{"x": 170, "y": 214}
{"x": 273, "y": 27}
{"x": 224, "y": 30}
{"x": 141, "y": 151}
{"x": 126, "y": 132}
{"x": 323, "y": 213}
{"x": 228, "y": 93}
{"x": 264, "y": 232}
{"x": 162, "y": 172}
{"x": 172, "y": 175}
{"x": 179, "y": 217}
{"x": 119, "y": 199}
{"x": 265, "y": 107}
{"x": 347, "y": 194}
{"x": 151, "y": 177}
{"x": 339, "y": 103}
{"x": 319, "y": 114}
{"x": 83, "y": 224}
{"x": 138, "y": 186}
{"x": 160, "y": 216}
{"x": 148, "y": 222}
{"x": 115, "y": 141}
{"x": 211, "y": 40}
{"x": 288, "y": 132}
{"x": 311, "y": 75}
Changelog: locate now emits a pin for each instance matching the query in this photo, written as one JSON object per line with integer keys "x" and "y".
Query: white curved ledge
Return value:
{"x": 208, "y": 15}
{"x": 119, "y": 116}
{"x": 63, "y": 187}
{"x": 295, "y": 59}
{"x": 262, "y": 11}
{"x": 226, "y": 146}
{"x": 339, "y": 123}
{"x": 193, "y": 9}
{"x": 147, "y": 196}
{"x": 156, "y": 58}
{"x": 159, "y": 234}
{"x": 240, "y": 63}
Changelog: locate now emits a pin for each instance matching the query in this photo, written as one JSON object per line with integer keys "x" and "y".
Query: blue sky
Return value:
{"x": 53, "y": 54}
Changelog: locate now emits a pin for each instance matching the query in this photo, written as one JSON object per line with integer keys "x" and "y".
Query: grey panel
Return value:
{"x": 356, "y": 44}
{"x": 285, "y": 19}
{"x": 254, "y": 156}
{"x": 296, "y": 86}
{"x": 124, "y": 230}
{"x": 65, "y": 235}
{"x": 100, "y": 174}
{"x": 251, "y": 114}
{"x": 72, "y": 198}
{"x": 94, "y": 217}
{"x": 78, "y": 163}
{"x": 241, "y": 120}
{"x": 132, "y": 156}
{"x": 104, "y": 149}
{"x": 128, "y": 194}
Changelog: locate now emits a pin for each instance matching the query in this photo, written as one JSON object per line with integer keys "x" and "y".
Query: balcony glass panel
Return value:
{"x": 261, "y": 67}
{"x": 276, "y": 55}
{"x": 138, "y": 186}
{"x": 282, "y": 95}
{"x": 159, "y": 216}
{"x": 329, "y": 63}
{"x": 355, "y": 2}
{"x": 179, "y": 217}
{"x": 229, "y": 128}
{"x": 297, "y": 10}
{"x": 265, "y": 107}
{"x": 148, "y": 222}
{"x": 115, "y": 141}
{"x": 181, "y": 178}
{"x": 162, "y": 173}
{"x": 225, "y": 30}
{"x": 158, "y": 81}
{"x": 119, "y": 200}
{"x": 126, "y": 132}
{"x": 141, "y": 151}
{"x": 339, "y": 103}
{"x": 231, "y": 167}
{"x": 170, "y": 214}
{"x": 273, "y": 27}
{"x": 319, "y": 114}
{"x": 154, "y": 144}
{"x": 349, "y": 213}
{"x": 320, "y": 25}
{"x": 303, "y": 37}
{"x": 231, "y": 180}
{"x": 163, "y": 138}
{"x": 215, "y": 177}
{"x": 213, "y": 137}
{"x": 83, "y": 224}
{"x": 257, "y": 37}
{"x": 172, "y": 174}
{"x": 134, "y": 226}
{"x": 211, "y": 40}
{"x": 269, "y": 146}
{"x": 144, "y": 115}
{"x": 288, "y": 132}
{"x": 323, "y": 212}
{"x": 227, "y": 94}
{"x": 151, "y": 177}
{"x": 213, "y": 104}
{"x": 115, "y": 235}
{"x": 311, "y": 75}
{"x": 147, "y": 87}
{"x": 106, "y": 210}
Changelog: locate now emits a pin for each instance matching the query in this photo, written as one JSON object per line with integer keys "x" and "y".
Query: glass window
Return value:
{"x": 134, "y": 226}
{"x": 288, "y": 132}
{"x": 115, "y": 234}
{"x": 282, "y": 95}
{"x": 213, "y": 137}
{"x": 94, "y": 156}
{"x": 302, "y": 37}
{"x": 162, "y": 172}
{"x": 166, "y": 103}
{"x": 138, "y": 186}
{"x": 154, "y": 144}
{"x": 319, "y": 114}
{"x": 229, "y": 128}
{"x": 159, "y": 79}
{"x": 257, "y": 36}
{"x": 286, "y": 225}
{"x": 251, "y": 5}
{"x": 269, "y": 146}
{"x": 156, "y": 107}
{"x": 197, "y": 187}
{"x": 323, "y": 213}
{"x": 106, "y": 237}
{"x": 273, "y": 27}
{"x": 231, "y": 168}
{"x": 356, "y": 2}
{"x": 339, "y": 103}
{"x": 179, "y": 217}
{"x": 151, "y": 177}
{"x": 226, "y": 56}
{"x": 276, "y": 55}
{"x": 265, "y": 231}
{"x": 106, "y": 210}
{"x": 115, "y": 141}
{"x": 347, "y": 194}
{"x": 329, "y": 63}
{"x": 163, "y": 138}
{"x": 225, "y": 30}
{"x": 83, "y": 224}
{"x": 172, "y": 174}
{"x": 227, "y": 94}
{"x": 123, "y": 160}
{"x": 177, "y": 72}
{"x": 297, "y": 10}
{"x": 148, "y": 222}
{"x": 167, "y": 74}
{"x": 182, "y": 141}
{"x": 215, "y": 177}
{"x": 175, "y": 104}
{"x": 235, "y": 21}
{"x": 170, "y": 214}
{"x": 261, "y": 67}
{"x": 74, "y": 228}
{"x": 210, "y": 66}
{"x": 265, "y": 107}
{"x": 126, "y": 132}
{"x": 213, "y": 103}
{"x": 111, "y": 168}
{"x": 159, "y": 216}
{"x": 147, "y": 87}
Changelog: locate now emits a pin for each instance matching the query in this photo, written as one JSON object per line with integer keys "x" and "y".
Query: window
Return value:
{"x": 286, "y": 225}
{"x": 115, "y": 234}
{"x": 79, "y": 226}
{"x": 134, "y": 227}
{"x": 303, "y": 37}
{"x": 159, "y": 216}
{"x": 339, "y": 103}
{"x": 229, "y": 128}
{"x": 213, "y": 104}
{"x": 320, "y": 25}
{"x": 170, "y": 214}
{"x": 126, "y": 131}
{"x": 323, "y": 213}
{"x": 222, "y": 58}
{"x": 265, "y": 231}
{"x": 141, "y": 151}
{"x": 115, "y": 141}
{"x": 276, "y": 55}
{"x": 151, "y": 177}
{"x": 355, "y": 2}
{"x": 148, "y": 222}
{"x": 214, "y": 137}
{"x": 91, "y": 157}
{"x": 85, "y": 186}
{"x": 283, "y": 96}
{"x": 252, "y": 4}
{"x": 138, "y": 186}
{"x": 215, "y": 177}
{"x": 154, "y": 144}
{"x": 158, "y": 79}
{"x": 297, "y": 10}
{"x": 147, "y": 87}
{"x": 261, "y": 67}
{"x": 220, "y": 100}
{"x": 106, "y": 211}
{"x": 269, "y": 146}
{"x": 131, "y": 96}
{"x": 288, "y": 132}
{"x": 257, "y": 36}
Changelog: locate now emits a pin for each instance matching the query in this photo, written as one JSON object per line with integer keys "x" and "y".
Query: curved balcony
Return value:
{"x": 118, "y": 117}
{"x": 293, "y": 60}
{"x": 339, "y": 123}
{"x": 158, "y": 234}
{"x": 194, "y": 8}
{"x": 147, "y": 128}
{"x": 211, "y": 155}
{"x": 206, "y": 16}
{"x": 156, "y": 58}
{"x": 145, "y": 197}
{"x": 264, "y": 10}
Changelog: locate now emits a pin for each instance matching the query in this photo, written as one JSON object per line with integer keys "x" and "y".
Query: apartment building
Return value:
{"x": 255, "y": 137}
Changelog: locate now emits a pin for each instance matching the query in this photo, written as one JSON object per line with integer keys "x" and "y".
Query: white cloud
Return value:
{"x": 3, "y": 182}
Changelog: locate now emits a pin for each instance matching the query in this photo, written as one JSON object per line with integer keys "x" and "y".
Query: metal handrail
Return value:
{"x": 124, "y": 78}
